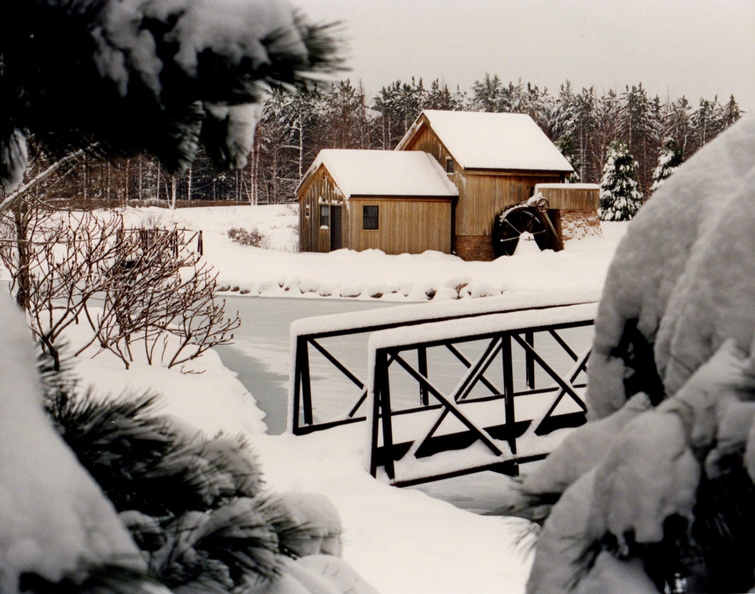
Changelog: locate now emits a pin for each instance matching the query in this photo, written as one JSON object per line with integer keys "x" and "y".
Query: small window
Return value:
{"x": 449, "y": 165}
{"x": 370, "y": 217}
{"x": 306, "y": 211}
{"x": 324, "y": 215}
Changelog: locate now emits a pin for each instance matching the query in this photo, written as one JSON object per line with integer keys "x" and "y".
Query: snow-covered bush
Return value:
{"x": 657, "y": 489}
{"x": 620, "y": 196}
{"x": 195, "y": 507}
{"x": 251, "y": 237}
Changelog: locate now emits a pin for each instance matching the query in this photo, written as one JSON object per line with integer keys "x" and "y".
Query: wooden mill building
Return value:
{"x": 398, "y": 202}
{"x": 494, "y": 159}
{"x": 441, "y": 189}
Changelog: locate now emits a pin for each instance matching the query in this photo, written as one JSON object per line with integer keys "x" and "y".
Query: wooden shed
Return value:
{"x": 573, "y": 209}
{"x": 495, "y": 160}
{"x": 398, "y": 202}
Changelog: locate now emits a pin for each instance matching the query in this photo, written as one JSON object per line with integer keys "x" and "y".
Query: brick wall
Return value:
{"x": 474, "y": 247}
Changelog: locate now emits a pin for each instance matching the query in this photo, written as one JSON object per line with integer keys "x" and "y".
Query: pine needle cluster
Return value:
{"x": 194, "y": 506}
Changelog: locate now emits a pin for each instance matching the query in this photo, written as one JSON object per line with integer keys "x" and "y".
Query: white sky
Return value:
{"x": 674, "y": 47}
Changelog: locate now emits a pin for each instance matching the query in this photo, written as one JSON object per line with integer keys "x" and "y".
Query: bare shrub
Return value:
{"x": 135, "y": 288}
{"x": 251, "y": 237}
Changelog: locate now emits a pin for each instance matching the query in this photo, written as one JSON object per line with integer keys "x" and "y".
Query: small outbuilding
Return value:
{"x": 495, "y": 160}
{"x": 398, "y": 202}
{"x": 573, "y": 209}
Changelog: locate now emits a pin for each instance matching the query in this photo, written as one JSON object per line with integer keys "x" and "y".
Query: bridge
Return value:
{"x": 453, "y": 388}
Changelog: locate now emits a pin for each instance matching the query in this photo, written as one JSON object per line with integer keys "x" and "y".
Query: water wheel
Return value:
{"x": 528, "y": 219}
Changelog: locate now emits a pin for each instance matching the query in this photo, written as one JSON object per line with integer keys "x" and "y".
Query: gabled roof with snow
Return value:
{"x": 383, "y": 173}
{"x": 481, "y": 140}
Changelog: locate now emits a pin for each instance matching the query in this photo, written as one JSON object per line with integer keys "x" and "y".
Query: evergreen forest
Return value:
{"x": 295, "y": 126}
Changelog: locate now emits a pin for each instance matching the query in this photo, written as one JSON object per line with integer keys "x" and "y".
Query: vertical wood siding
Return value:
{"x": 321, "y": 189}
{"x": 481, "y": 195}
{"x": 484, "y": 196}
{"x": 405, "y": 225}
{"x": 567, "y": 198}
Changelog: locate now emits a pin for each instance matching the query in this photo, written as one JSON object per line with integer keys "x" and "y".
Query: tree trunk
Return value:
{"x": 23, "y": 282}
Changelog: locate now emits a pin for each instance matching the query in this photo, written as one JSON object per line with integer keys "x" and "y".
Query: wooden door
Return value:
{"x": 336, "y": 228}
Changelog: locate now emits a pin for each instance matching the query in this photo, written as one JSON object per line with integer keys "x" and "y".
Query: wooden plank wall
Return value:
{"x": 572, "y": 198}
{"x": 311, "y": 237}
{"x": 483, "y": 196}
{"x": 405, "y": 225}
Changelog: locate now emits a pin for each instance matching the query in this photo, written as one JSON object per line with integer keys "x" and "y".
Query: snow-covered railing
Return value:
{"x": 467, "y": 421}
{"x": 307, "y": 336}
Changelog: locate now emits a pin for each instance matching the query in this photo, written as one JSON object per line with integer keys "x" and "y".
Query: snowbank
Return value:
{"x": 279, "y": 271}
{"x": 398, "y": 540}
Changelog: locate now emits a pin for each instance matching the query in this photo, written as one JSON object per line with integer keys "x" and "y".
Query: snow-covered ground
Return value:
{"x": 401, "y": 541}
{"x": 280, "y": 271}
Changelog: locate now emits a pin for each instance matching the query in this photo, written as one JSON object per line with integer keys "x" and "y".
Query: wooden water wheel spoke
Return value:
{"x": 510, "y": 224}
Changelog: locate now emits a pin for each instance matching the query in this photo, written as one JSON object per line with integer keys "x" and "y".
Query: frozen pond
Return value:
{"x": 261, "y": 353}
{"x": 261, "y": 356}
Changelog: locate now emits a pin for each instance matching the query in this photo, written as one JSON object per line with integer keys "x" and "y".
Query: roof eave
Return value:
{"x": 404, "y": 196}
{"x": 516, "y": 171}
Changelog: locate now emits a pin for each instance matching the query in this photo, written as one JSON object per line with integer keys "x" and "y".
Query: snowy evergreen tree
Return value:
{"x": 440, "y": 97}
{"x": 706, "y": 122}
{"x": 488, "y": 95}
{"x": 731, "y": 112}
{"x": 399, "y": 104}
{"x": 640, "y": 126}
{"x": 669, "y": 160}
{"x": 675, "y": 122}
{"x": 620, "y": 197}
{"x": 569, "y": 150}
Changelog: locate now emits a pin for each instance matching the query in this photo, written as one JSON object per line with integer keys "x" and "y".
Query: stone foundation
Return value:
{"x": 569, "y": 224}
{"x": 577, "y": 224}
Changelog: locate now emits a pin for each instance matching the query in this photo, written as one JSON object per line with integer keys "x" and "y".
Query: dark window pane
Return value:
{"x": 370, "y": 217}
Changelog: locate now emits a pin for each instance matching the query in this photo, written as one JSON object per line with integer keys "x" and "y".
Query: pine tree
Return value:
{"x": 440, "y": 97}
{"x": 194, "y": 506}
{"x": 568, "y": 149}
{"x": 489, "y": 95}
{"x": 620, "y": 197}
{"x": 731, "y": 112}
{"x": 670, "y": 158}
{"x": 640, "y": 129}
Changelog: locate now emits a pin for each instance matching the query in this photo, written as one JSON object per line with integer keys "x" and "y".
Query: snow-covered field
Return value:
{"x": 401, "y": 541}
{"x": 280, "y": 271}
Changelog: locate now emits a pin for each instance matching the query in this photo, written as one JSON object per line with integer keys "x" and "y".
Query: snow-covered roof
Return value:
{"x": 481, "y": 140}
{"x": 384, "y": 173}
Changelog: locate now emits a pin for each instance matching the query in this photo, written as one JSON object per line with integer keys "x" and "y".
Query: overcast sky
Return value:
{"x": 674, "y": 47}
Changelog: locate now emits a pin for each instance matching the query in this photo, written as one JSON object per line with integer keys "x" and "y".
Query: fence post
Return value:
{"x": 302, "y": 386}
{"x": 381, "y": 416}
{"x": 529, "y": 360}
{"x": 508, "y": 390}
{"x": 422, "y": 365}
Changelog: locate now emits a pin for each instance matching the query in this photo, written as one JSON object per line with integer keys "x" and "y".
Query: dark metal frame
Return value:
{"x": 302, "y": 421}
{"x": 498, "y": 343}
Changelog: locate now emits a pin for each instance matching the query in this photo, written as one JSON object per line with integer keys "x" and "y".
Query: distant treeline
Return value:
{"x": 296, "y": 126}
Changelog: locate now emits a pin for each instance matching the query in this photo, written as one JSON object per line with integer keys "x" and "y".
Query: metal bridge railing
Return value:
{"x": 315, "y": 340}
{"x": 498, "y": 409}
